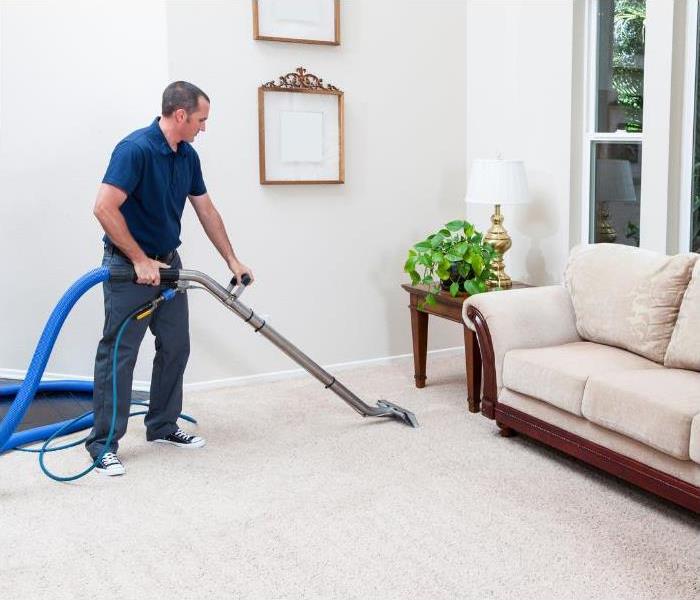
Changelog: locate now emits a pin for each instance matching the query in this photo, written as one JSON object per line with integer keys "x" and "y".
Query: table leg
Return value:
{"x": 419, "y": 332}
{"x": 473, "y": 364}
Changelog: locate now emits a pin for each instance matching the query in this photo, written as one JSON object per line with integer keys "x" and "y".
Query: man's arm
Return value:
{"x": 109, "y": 199}
{"x": 214, "y": 227}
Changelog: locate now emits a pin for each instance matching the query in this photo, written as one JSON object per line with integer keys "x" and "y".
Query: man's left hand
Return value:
{"x": 239, "y": 269}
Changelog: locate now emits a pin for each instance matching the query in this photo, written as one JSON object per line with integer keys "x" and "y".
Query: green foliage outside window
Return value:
{"x": 695, "y": 207}
{"x": 628, "y": 51}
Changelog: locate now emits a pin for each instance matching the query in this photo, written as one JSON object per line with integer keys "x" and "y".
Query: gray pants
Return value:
{"x": 169, "y": 325}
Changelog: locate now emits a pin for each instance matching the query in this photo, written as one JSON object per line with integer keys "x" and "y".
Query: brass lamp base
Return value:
{"x": 498, "y": 237}
{"x": 604, "y": 230}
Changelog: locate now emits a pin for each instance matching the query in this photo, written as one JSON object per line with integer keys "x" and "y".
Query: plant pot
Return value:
{"x": 454, "y": 276}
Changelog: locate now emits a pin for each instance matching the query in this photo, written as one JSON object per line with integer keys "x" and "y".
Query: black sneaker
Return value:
{"x": 182, "y": 439}
{"x": 110, "y": 465}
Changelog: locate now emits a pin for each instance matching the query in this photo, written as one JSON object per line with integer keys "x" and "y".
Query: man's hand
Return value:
{"x": 147, "y": 271}
{"x": 239, "y": 269}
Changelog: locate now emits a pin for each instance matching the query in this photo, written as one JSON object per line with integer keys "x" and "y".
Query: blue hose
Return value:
{"x": 26, "y": 391}
{"x": 36, "y": 434}
{"x": 29, "y": 386}
{"x": 65, "y": 385}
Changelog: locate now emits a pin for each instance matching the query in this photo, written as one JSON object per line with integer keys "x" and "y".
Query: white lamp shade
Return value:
{"x": 497, "y": 182}
{"x": 613, "y": 180}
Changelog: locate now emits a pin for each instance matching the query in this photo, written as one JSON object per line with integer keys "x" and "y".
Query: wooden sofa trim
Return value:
{"x": 488, "y": 362}
{"x": 510, "y": 419}
{"x": 650, "y": 479}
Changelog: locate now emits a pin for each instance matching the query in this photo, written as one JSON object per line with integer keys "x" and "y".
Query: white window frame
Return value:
{"x": 688, "y": 141}
{"x": 656, "y": 120}
{"x": 590, "y": 136}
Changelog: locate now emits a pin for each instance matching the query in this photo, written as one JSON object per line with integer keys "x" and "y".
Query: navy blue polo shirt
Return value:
{"x": 157, "y": 182}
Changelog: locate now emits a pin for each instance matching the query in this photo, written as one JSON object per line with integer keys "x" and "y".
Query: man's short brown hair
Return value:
{"x": 181, "y": 94}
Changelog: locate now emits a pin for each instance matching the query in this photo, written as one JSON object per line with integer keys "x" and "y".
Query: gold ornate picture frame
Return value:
{"x": 297, "y": 21}
{"x": 300, "y": 131}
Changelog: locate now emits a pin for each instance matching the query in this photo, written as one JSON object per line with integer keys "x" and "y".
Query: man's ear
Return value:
{"x": 180, "y": 115}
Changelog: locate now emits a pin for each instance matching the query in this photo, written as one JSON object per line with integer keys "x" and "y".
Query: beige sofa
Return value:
{"x": 605, "y": 367}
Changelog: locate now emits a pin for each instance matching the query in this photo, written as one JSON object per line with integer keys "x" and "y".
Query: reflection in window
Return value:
{"x": 617, "y": 180}
{"x": 620, "y": 65}
{"x": 695, "y": 195}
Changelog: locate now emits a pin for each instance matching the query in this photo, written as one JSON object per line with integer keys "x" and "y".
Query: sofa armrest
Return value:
{"x": 520, "y": 318}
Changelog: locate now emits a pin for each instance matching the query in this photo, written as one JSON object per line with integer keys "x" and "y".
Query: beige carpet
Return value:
{"x": 296, "y": 496}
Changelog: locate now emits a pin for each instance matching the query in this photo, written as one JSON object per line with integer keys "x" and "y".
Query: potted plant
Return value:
{"x": 456, "y": 258}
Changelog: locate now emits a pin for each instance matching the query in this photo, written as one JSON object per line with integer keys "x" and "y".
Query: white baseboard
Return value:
{"x": 296, "y": 373}
{"x": 144, "y": 386}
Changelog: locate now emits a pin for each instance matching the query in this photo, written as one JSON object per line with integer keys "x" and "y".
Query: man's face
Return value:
{"x": 191, "y": 125}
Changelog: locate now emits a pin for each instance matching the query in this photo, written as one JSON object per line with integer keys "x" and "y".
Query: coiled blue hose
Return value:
{"x": 32, "y": 382}
{"x": 29, "y": 386}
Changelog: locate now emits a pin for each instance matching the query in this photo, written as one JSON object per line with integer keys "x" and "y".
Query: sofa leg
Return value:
{"x": 505, "y": 431}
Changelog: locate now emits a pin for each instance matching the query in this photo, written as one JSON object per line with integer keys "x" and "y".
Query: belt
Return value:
{"x": 165, "y": 258}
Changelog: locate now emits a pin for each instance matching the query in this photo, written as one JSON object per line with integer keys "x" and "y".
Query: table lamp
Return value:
{"x": 613, "y": 183}
{"x": 497, "y": 182}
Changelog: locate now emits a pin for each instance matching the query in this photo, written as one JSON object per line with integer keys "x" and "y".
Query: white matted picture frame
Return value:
{"x": 299, "y": 21}
{"x": 300, "y": 131}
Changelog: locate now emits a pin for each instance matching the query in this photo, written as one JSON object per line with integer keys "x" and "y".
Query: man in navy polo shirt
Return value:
{"x": 139, "y": 205}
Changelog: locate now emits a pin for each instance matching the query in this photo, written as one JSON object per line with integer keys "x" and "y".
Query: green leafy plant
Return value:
{"x": 695, "y": 233}
{"x": 695, "y": 206}
{"x": 455, "y": 258}
{"x": 632, "y": 233}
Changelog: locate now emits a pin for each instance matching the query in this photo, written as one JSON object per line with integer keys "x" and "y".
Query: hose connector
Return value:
{"x": 148, "y": 309}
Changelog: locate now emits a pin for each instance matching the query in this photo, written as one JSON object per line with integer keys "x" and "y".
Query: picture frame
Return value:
{"x": 297, "y": 21}
{"x": 301, "y": 133}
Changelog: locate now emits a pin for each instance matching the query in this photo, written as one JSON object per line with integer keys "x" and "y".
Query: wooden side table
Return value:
{"x": 449, "y": 308}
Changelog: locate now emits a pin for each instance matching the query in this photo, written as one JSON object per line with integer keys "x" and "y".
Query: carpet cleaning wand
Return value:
{"x": 230, "y": 298}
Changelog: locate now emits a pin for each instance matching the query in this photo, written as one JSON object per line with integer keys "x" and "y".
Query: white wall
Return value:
{"x": 328, "y": 259}
{"x": 519, "y": 105}
{"x": 76, "y": 76}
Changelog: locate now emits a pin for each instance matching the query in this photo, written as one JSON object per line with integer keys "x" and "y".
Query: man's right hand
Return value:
{"x": 147, "y": 271}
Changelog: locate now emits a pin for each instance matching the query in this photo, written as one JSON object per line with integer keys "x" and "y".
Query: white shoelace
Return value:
{"x": 109, "y": 459}
{"x": 182, "y": 435}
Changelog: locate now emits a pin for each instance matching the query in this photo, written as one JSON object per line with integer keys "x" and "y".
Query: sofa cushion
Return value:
{"x": 687, "y": 470}
{"x": 653, "y": 406}
{"x": 684, "y": 350}
{"x": 558, "y": 374}
{"x": 627, "y": 297}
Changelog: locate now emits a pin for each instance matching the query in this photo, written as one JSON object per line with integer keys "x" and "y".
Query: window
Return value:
{"x": 695, "y": 172}
{"x": 614, "y": 132}
{"x": 620, "y": 65}
{"x": 617, "y": 180}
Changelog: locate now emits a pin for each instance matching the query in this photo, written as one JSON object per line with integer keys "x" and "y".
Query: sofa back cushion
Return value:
{"x": 684, "y": 350}
{"x": 627, "y": 297}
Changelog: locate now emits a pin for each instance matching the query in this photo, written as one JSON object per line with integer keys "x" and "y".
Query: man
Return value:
{"x": 139, "y": 205}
